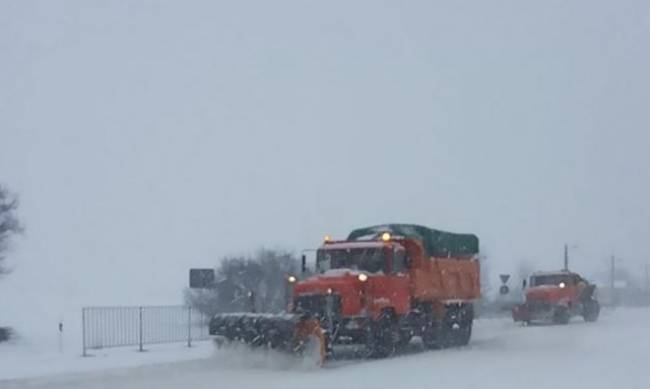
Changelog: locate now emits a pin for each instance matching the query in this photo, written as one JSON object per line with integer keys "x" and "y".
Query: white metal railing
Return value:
{"x": 141, "y": 325}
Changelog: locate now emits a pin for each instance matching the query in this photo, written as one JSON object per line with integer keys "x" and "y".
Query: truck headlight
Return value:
{"x": 562, "y": 285}
{"x": 362, "y": 277}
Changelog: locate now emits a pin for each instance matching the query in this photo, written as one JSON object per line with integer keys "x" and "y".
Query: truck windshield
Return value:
{"x": 366, "y": 259}
{"x": 550, "y": 279}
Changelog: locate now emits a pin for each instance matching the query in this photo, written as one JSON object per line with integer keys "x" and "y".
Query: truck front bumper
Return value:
{"x": 537, "y": 311}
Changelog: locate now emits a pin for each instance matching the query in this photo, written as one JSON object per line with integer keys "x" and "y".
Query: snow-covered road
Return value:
{"x": 611, "y": 353}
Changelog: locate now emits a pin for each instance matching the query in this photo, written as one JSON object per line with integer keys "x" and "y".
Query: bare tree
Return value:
{"x": 264, "y": 275}
{"x": 9, "y": 224}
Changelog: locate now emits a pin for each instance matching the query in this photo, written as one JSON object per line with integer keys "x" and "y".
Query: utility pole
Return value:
{"x": 61, "y": 336}
{"x": 566, "y": 257}
{"x": 612, "y": 276}
{"x": 647, "y": 285}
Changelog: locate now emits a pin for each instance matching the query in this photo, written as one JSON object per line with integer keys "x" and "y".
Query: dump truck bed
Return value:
{"x": 444, "y": 279}
{"x": 436, "y": 243}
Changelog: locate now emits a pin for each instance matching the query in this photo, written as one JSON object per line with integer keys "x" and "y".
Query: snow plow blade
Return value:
{"x": 289, "y": 333}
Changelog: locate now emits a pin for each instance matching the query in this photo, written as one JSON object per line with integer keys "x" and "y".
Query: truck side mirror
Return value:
{"x": 523, "y": 284}
{"x": 303, "y": 264}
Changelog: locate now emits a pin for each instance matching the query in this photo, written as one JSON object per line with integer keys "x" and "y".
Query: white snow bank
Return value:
{"x": 611, "y": 353}
{"x": 21, "y": 360}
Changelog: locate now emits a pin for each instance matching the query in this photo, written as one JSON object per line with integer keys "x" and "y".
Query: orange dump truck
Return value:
{"x": 378, "y": 288}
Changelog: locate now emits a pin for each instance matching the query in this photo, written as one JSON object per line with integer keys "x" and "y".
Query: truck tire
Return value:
{"x": 468, "y": 321}
{"x": 404, "y": 339}
{"x": 430, "y": 331}
{"x": 382, "y": 337}
{"x": 465, "y": 334}
{"x": 431, "y": 338}
{"x": 450, "y": 334}
{"x": 561, "y": 315}
{"x": 457, "y": 325}
{"x": 431, "y": 341}
{"x": 590, "y": 310}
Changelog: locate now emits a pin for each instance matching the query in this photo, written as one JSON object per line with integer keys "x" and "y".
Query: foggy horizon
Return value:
{"x": 147, "y": 138}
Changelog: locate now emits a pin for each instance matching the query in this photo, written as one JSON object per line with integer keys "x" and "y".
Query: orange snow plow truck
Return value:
{"x": 377, "y": 289}
{"x": 556, "y": 297}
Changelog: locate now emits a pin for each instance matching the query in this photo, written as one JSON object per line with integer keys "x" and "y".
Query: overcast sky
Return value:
{"x": 148, "y": 137}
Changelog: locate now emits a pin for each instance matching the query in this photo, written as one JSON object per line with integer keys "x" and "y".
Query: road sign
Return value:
{"x": 202, "y": 278}
{"x": 504, "y": 277}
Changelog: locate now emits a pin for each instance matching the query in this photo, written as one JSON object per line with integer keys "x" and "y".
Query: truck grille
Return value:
{"x": 318, "y": 305}
{"x": 538, "y": 305}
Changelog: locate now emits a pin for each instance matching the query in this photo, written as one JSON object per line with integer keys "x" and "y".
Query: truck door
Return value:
{"x": 395, "y": 291}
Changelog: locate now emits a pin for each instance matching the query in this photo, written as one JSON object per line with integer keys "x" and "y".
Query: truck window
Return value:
{"x": 398, "y": 266}
{"x": 550, "y": 279}
{"x": 366, "y": 259}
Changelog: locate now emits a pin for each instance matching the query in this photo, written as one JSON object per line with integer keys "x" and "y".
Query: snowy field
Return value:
{"x": 612, "y": 353}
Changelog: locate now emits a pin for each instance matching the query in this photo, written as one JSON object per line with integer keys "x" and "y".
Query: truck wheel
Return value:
{"x": 450, "y": 327}
{"x": 382, "y": 337}
{"x": 561, "y": 315}
{"x": 465, "y": 334}
{"x": 456, "y": 334}
{"x": 590, "y": 310}
{"x": 449, "y": 336}
{"x": 430, "y": 340}
{"x": 457, "y": 326}
{"x": 404, "y": 339}
{"x": 430, "y": 332}
{"x": 468, "y": 321}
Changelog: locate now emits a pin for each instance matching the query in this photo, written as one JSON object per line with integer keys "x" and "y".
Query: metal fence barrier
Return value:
{"x": 137, "y": 326}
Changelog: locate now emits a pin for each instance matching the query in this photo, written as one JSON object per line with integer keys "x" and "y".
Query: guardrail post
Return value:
{"x": 140, "y": 330}
{"x": 202, "y": 336}
{"x": 189, "y": 326}
{"x": 83, "y": 331}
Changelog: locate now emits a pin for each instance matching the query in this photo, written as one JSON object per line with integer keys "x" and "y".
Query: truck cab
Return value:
{"x": 356, "y": 282}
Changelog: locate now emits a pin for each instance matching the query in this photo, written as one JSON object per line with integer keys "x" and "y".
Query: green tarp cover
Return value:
{"x": 436, "y": 242}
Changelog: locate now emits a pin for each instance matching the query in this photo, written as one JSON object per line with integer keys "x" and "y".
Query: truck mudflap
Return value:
{"x": 291, "y": 333}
